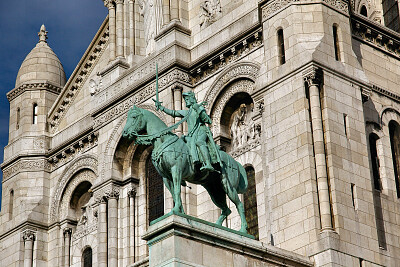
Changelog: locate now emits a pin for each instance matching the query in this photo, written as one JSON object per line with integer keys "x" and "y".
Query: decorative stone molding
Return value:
{"x": 229, "y": 55}
{"x": 29, "y": 235}
{"x": 71, "y": 151}
{"x": 85, "y": 162}
{"x": 32, "y": 87}
{"x": 313, "y": 76}
{"x": 111, "y": 192}
{"x": 365, "y": 94}
{"x": 387, "y": 93}
{"x": 26, "y": 165}
{"x": 376, "y": 35}
{"x": 271, "y": 7}
{"x": 140, "y": 96}
{"x": 241, "y": 150}
{"x": 78, "y": 78}
{"x": 240, "y": 70}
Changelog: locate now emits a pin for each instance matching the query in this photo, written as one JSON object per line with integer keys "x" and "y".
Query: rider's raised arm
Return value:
{"x": 173, "y": 113}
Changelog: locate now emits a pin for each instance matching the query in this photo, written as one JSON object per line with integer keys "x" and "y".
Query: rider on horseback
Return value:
{"x": 199, "y": 136}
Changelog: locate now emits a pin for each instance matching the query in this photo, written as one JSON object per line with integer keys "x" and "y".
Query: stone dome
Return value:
{"x": 41, "y": 65}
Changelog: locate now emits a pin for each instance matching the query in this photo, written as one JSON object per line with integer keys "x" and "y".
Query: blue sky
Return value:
{"x": 71, "y": 25}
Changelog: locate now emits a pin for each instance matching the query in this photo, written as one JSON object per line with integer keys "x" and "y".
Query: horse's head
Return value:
{"x": 134, "y": 123}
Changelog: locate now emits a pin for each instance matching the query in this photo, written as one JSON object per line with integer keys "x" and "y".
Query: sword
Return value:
{"x": 157, "y": 98}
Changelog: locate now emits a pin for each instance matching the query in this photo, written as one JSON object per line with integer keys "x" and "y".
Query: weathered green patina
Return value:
{"x": 173, "y": 157}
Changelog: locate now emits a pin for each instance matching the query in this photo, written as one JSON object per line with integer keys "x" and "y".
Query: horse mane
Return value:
{"x": 152, "y": 116}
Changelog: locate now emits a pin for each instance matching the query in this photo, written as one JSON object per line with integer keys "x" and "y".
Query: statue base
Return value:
{"x": 182, "y": 240}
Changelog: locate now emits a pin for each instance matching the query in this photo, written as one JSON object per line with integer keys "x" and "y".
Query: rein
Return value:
{"x": 146, "y": 139}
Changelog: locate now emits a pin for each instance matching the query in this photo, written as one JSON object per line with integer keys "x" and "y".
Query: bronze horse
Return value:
{"x": 171, "y": 159}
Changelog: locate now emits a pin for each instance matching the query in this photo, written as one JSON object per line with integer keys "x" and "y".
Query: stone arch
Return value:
{"x": 236, "y": 87}
{"x": 253, "y": 159}
{"x": 84, "y": 162}
{"x": 389, "y": 113}
{"x": 109, "y": 161}
{"x": 78, "y": 178}
{"x": 241, "y": 70}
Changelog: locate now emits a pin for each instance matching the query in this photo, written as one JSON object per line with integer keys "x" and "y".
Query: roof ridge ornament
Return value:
{"x": 42, "y": 34}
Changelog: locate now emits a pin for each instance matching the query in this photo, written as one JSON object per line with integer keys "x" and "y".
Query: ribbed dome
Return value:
{"x": 41, "y": 65}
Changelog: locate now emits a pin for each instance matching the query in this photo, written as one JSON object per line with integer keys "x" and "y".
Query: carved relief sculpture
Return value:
{"x": 243, "y": 128}
{"x": 210, "y": 11}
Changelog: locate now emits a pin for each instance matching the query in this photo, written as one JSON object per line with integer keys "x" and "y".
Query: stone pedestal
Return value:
{"x": 181, "y": 240}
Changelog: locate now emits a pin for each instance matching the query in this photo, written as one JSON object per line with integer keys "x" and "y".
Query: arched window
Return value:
{"x": 18, "y": 118}
{"x": 364, "y": 11}
{"x": 11, "y": 205}
{"x": 394, "y": 131}
{"x": 35, "y": 114}
{"x": 155, "y": 192}
{"x": 250, "y": 203}
{"x": 391, "y": 14}
{"x": 281, "y": 47}
{"x": 87, "y": 257}
{"x": 375, "y": 161}
{"x": 336, "y": 42}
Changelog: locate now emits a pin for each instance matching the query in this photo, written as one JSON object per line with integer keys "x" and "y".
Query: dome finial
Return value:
{"x": 42, "y": 34}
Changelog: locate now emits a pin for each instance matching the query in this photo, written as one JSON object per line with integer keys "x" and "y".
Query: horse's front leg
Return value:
{"x": 176, "y": 172}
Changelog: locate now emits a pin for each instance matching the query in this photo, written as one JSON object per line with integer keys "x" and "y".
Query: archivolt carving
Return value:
{"x": 116, "y": 136}
{"x": 245, "y": 85}
{"x": 84, "y": 162}
{"x": 85, "y": 175}
{"x": 247, "y": 70}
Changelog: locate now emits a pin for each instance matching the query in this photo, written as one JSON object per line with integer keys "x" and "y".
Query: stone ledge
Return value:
{"x": 173, "y": 239}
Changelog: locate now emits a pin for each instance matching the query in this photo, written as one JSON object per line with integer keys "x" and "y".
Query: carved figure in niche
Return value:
{"x": 151, "y": 10}
{"x": 210, "y": 11}
{"x": 243, "y": 128}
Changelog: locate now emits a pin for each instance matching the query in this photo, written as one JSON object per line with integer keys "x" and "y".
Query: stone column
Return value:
{"x": 313, "y": 78}
{"x": 174, "y": 10}
{"x": 102, "y": 232}
{"x": 132, "y": 225}
{"x": 120, "y": 28}
{"x": 112, "y": 222}
{"x": 29, "y": 237}
{"x": 132, "y": 26}
{"x": 111, "y": 25}
{"x": 67, "y": 246}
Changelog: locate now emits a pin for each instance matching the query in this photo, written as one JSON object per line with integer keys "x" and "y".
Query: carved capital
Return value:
{"x": 67, "y": 231}
{"x": 313, "y": 76}
{"x": 365, "y": 94}
{"x": 109, "y": 4}
{"x": 111, "y": 193}
{"x": 132, "y": 192}
{"x": 177, "y": 87}
{"x": 119, "y": 1}
{"x": 29, "y": 235}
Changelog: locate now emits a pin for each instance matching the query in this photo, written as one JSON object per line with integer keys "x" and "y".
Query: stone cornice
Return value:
{"x": 376, "y": 35}
{"x": 270, "y": 8}
{"x": 30, "y": 164}
{"x": 225, "y": 56}
{"x": 31, "y": 87}
{"x": 386, "y": 93}
{"x": 79, "y": 76}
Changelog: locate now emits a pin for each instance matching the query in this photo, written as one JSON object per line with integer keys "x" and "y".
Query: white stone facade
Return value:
{"x": 72, "y": 182}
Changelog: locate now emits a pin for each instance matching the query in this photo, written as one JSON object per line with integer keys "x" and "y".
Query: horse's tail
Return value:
{"x": 242, "y": 187}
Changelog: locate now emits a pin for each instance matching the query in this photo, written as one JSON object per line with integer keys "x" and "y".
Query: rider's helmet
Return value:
{"x": 189, "y": 94}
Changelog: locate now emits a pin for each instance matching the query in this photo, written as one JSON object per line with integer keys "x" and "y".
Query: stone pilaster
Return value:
{"x": 177, "y": 92}
{"x": 132, "y": 225}
{"x": 132, "y": 26}
{"x": 112, "y": 230}
{"x": 174, "y": 10}
{"x": 67, "y": 246}
{"x": 119, "y": 28}
{"x": 102, "y": 233}
{"x": 111, "y": 25}
{"x": 29, "y": 237}
{"x": 313, "y": 78}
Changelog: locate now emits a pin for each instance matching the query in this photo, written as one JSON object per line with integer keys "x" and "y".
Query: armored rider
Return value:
{"x": 197, "y": 136}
